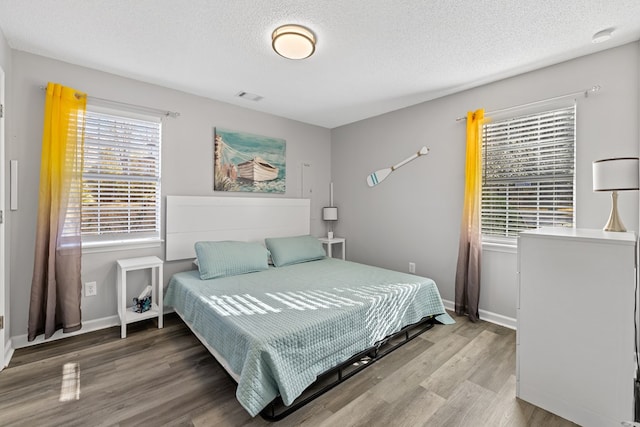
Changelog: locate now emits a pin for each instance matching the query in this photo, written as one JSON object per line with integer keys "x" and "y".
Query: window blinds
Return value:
{"x": 528, "y": 173}
{"x": 121, "y": 178}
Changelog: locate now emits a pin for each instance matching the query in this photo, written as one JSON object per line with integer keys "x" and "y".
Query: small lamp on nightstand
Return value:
{"x": 616, "y": 174}
{"x": 330, "y": 214}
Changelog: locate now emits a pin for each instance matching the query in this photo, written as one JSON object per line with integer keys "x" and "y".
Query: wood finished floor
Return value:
{"x": 454, "y": 375}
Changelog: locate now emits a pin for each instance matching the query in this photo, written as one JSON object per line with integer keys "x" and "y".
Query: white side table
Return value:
{"x": 334, "y": 241}
{"x": 125, "y": 312}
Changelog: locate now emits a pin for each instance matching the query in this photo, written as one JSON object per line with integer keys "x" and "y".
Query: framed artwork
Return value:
{"x": 247, "y": 162}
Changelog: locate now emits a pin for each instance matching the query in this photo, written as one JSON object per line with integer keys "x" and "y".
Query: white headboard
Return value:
{"x": 199, "y": 218}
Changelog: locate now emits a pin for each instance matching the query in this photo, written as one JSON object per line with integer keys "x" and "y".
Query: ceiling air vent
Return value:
{"x": 249, "y": 96}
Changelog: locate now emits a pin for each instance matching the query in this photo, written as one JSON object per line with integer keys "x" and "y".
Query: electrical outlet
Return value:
{"x": 412, "y": 267}
{"x": 90, "y": 289}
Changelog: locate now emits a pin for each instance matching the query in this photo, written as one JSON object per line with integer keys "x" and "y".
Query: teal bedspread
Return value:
{"x": 280, "y": 328}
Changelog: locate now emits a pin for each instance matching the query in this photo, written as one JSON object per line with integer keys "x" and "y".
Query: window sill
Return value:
{"x": 97, "y": 247}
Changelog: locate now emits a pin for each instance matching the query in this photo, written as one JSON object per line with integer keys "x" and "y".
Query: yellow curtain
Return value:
{"x": 56, "y": 285}
{"x": 467, "y": 294}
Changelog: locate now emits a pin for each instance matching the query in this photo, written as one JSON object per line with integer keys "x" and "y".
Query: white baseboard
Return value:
{"x": 21, "y": 341}
{"x": 8, "y": 353}
{"x": 498, "y": 319}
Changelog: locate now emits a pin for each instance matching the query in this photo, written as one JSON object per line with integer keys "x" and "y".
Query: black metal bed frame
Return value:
{"x": 277, "y": 410}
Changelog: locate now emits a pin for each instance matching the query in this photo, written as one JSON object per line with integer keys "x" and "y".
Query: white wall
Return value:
{"x": 415, "y": 214}
{"x": 187, "y": 166}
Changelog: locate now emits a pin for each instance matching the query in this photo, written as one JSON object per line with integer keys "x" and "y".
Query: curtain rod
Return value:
{"x": 592, "y": 90}
{"x": 141, "y": 108}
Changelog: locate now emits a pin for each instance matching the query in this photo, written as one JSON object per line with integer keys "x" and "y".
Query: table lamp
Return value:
{"x": 615, "y": 174}
{"x": 330, "y": 213}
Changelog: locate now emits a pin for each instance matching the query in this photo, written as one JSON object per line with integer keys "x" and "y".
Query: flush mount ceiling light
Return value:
{"x": 602, "y": 36}
{"x": 293, "y": 41}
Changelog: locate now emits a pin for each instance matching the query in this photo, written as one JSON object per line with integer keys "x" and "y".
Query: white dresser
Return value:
{"x": 575, "y": 345}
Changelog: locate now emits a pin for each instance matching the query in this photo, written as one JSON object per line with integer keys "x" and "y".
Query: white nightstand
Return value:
{"x": 334, "y": 241}
{"x": 125, "y": 311}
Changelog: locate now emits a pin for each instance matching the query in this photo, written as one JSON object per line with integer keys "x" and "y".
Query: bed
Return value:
{"x": 278, "y": 314}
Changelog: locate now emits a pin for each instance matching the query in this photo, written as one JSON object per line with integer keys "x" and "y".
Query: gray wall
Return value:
{"x": 186, "y": 168}
{"x": 415, "y": 214}
{"x": 5, "y": 64}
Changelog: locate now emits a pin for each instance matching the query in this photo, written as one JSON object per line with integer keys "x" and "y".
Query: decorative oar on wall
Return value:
{"x": 380, "y": 175}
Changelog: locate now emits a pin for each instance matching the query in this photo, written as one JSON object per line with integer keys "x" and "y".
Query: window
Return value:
{"x": 528, "y": 173}
{"x": 121, "y": 178}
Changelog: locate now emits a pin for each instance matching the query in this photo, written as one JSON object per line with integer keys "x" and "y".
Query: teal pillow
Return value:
{"x": 293, "y": 250}
{"x": 229, "y": 258}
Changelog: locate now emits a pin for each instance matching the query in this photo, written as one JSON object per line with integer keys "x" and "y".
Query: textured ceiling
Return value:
{"x": 372, "y": 56}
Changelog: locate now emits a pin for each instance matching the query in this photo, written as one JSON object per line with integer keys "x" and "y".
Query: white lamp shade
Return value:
{"x": 330, "y": 213}
{"x": 615, "y": 174}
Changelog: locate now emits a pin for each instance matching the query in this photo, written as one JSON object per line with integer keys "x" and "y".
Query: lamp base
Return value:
{"x": 614, "y": 223}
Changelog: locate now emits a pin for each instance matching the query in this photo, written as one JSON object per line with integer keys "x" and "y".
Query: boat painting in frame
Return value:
{"x": 247, "y": 162}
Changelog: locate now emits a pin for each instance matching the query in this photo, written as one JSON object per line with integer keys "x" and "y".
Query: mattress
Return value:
{"x": 277, "y": 330}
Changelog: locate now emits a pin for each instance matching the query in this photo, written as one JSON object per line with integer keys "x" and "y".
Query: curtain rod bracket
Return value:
{"x": 592, "y": 91}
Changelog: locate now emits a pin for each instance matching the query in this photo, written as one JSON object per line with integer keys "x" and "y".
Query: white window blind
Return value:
{"x": 121, "y": 177}
{"x": 528, "y": 173}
